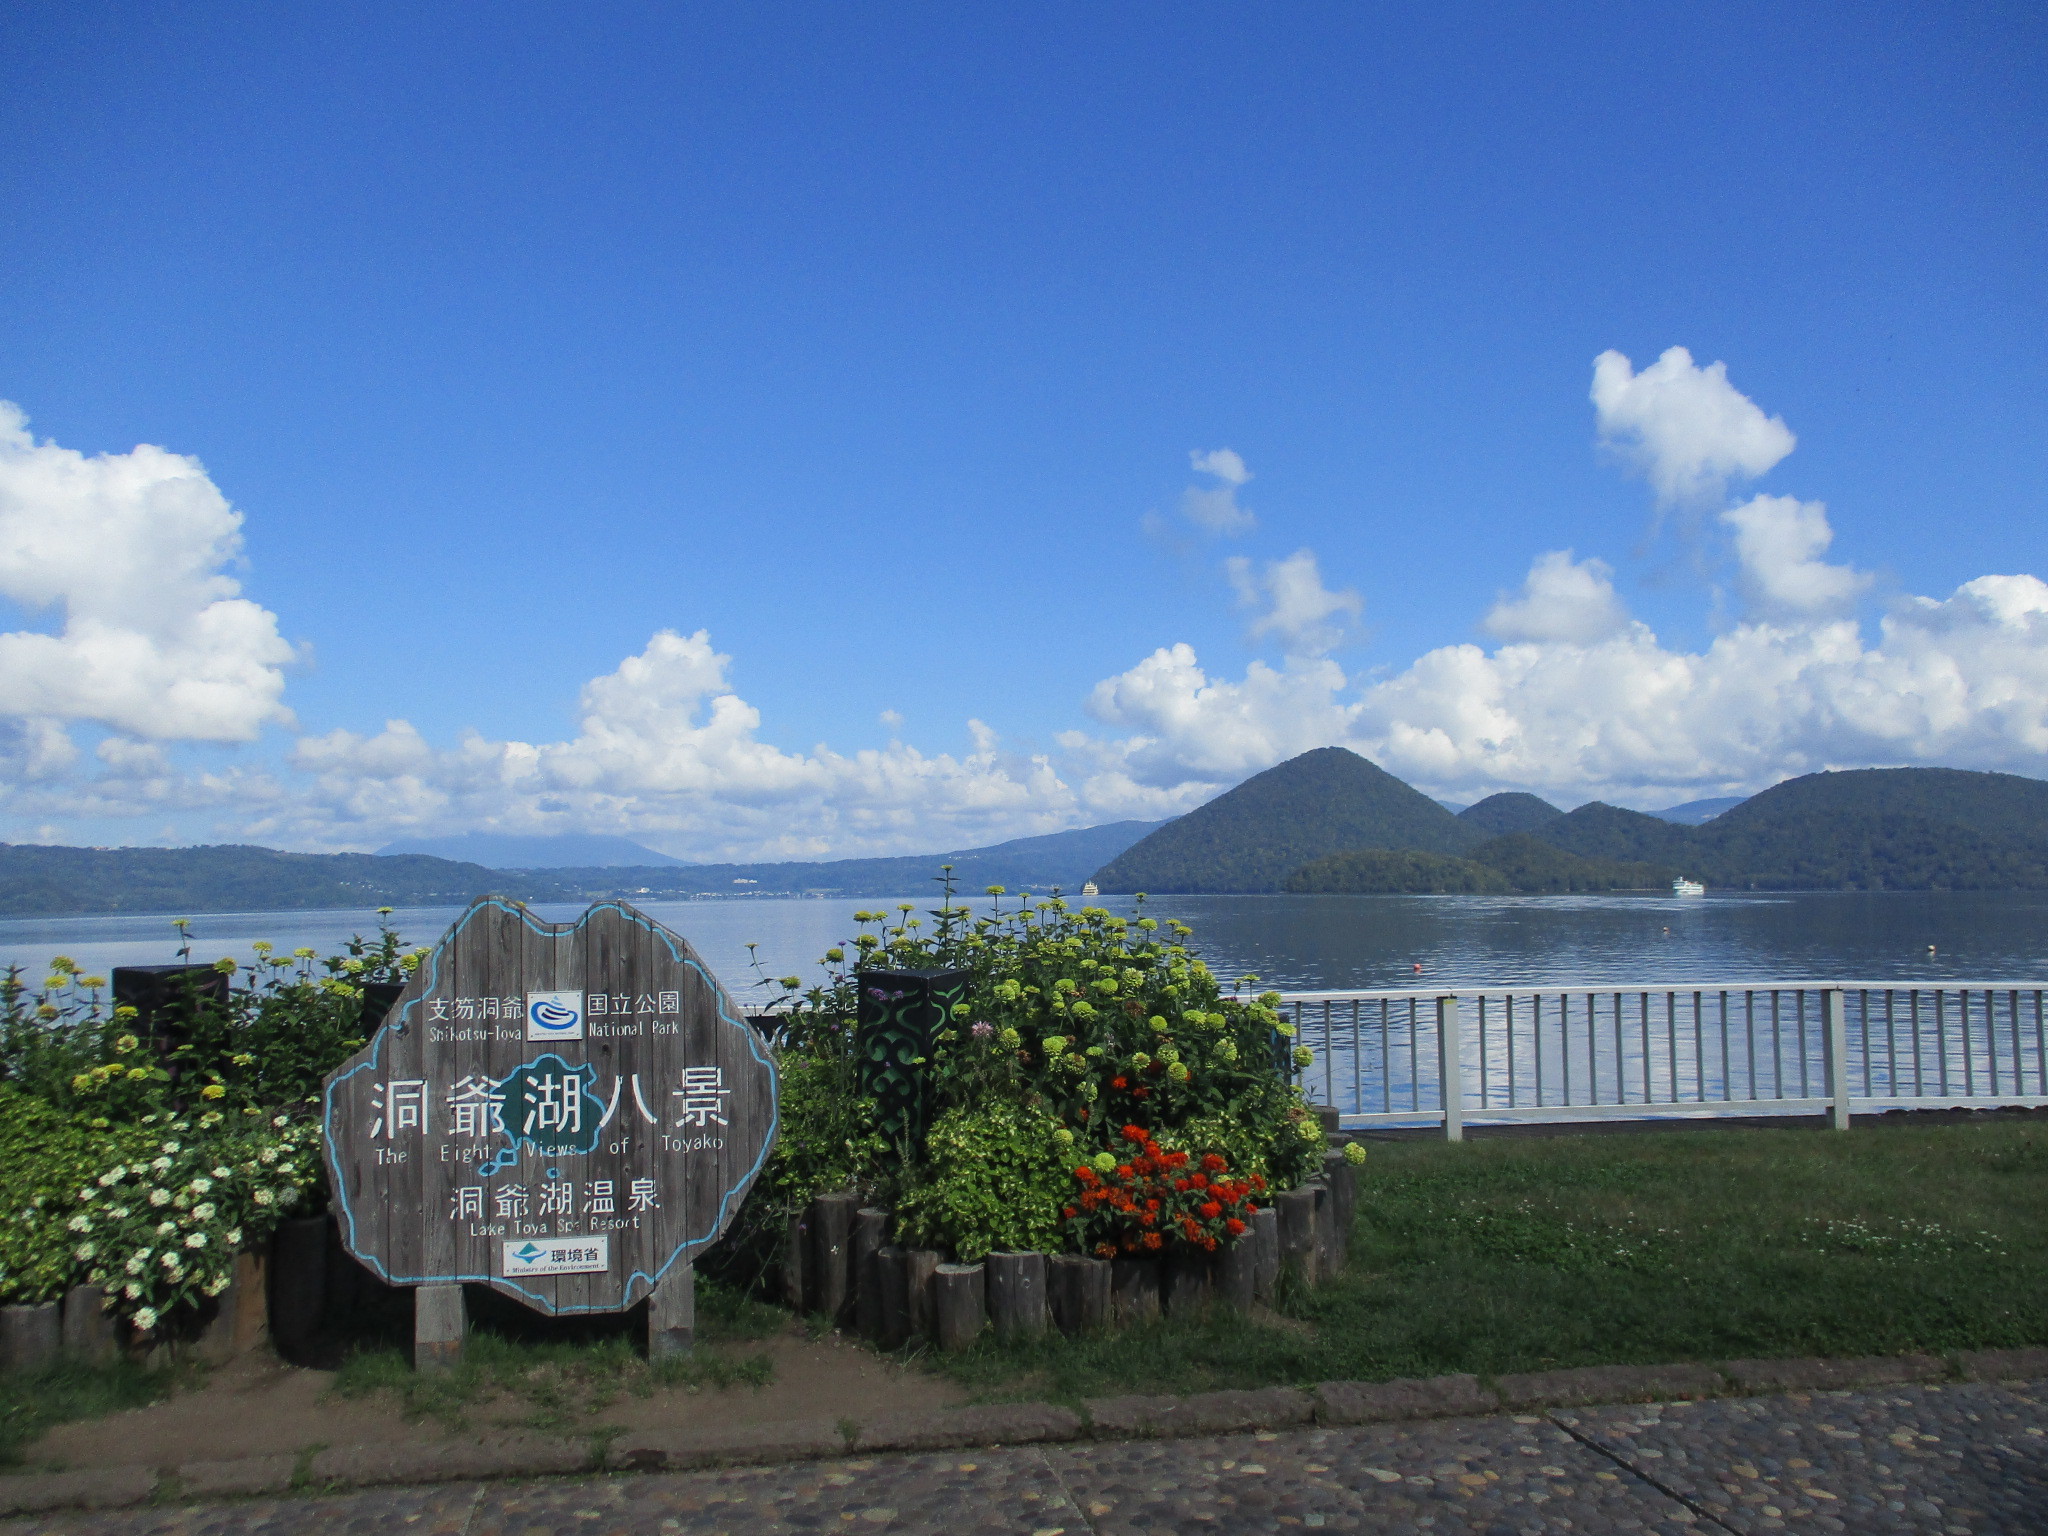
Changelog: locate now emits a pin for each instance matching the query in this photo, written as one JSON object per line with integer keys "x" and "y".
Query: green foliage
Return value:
{"x": 994, "y": 1177}
{"x": 1072, "y": 1025}
{"x": 1323, "y": 802}
{"x": 144, "y": 1163}
{"x": 1375, "y": 871}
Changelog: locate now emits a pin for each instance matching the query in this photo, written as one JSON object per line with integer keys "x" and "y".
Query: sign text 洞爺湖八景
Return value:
{"x": 560, "y": 1110}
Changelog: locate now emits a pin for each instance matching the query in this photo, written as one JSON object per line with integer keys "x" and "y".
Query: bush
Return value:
{"x": 1073, "y": 1026}
{"x": 145, "y": 1164}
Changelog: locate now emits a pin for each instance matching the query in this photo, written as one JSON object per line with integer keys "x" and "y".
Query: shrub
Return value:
{"x": 1073, "y": 1025}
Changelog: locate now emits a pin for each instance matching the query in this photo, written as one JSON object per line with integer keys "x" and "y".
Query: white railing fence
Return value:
{"x": 1691, "y": 1049}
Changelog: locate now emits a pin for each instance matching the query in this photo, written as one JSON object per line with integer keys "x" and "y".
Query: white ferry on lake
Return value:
{"x": 1684, "y": 887}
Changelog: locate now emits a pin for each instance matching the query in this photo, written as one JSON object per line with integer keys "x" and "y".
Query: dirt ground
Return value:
{"x": 260, "y": 1406}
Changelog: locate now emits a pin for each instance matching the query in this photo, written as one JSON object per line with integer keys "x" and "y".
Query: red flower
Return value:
{"x": 1135, "y": 1133}
{"x": 1085, "y": 1174}
{"x": 1123, "y": 1170}
{"x": 1214, "y": 1162}
{"x": 1105, "y": 1250}
{"x": 1200, "y": 1181}
{"x": 1147, "y": 1219}
{"x": 1141, "y": 1093}
{"x": 1234, "y": 1227}
{"x": 1209, "y": 1208}
{"x": 1084, "y": 1114}
{"x": 1152, "y": 1205}
{"x": 1154, "y": 1240}
{"x": 1119, "y": 1082}
{"x": 1070, "y": 1213}
{"x": 1259, "y": 1183}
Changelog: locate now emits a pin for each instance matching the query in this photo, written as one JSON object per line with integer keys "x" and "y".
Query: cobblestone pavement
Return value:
{"x": 1948, "y": 1460}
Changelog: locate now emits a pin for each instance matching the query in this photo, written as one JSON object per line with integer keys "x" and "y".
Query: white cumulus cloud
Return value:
{"x": 1687, "y": 428}
{"x": 1561, "y": 599}
{"x": 1778, "y": 542}
{"x": 155, "y": 639}
{"x": 1291, "y": 604}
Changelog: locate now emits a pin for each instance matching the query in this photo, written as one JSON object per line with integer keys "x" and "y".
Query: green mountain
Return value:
{"x": 1602, "y": 831}
{"x": 1513, "y": 811}
{"x": 1864, "y": 829}
{"x": 236, "y": 878}
{"x": 1516, "y": 862}
{"x": 1391, "y": 872}
{"x": 1252, "y": 837}
{"x": 233, "y": 878}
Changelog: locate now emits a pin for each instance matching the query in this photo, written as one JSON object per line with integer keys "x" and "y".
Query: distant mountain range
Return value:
{"x": 239, "y": 878}
{"x": 1329, "y": 820}
{"x": 560, "y": 850}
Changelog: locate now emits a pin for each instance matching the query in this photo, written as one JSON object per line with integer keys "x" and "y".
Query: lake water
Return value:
{"x": 1289, "y": 942}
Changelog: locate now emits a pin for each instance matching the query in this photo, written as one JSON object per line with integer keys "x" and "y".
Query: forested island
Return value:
{"x": 1331, "y": 821}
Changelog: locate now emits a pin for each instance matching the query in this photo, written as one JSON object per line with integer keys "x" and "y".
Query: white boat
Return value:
{"x": 1089, "y": 889}
{"x": 1684, "y": 887}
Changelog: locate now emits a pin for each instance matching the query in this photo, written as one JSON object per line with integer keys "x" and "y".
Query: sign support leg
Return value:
{"x": 672, "y": 1313}
{"x": 440, "y": 1322}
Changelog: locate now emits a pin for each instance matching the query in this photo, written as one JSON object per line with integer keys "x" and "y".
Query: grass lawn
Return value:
{"x": 1508, "y": 1255}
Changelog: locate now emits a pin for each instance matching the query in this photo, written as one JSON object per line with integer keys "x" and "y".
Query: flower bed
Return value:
{"x": 1083, "y": 1086}
{"x": 141, "y": 1160}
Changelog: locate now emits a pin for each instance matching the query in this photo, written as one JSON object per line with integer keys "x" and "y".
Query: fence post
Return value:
{"x": 1450, "y": 1057}
{"x": 1836, "y": 1008}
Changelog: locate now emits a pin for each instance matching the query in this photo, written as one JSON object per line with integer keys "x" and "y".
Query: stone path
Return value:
{"x": 1952, "y": 1459}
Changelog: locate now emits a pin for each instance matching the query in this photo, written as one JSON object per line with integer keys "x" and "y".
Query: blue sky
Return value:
{"x": 874, "y": 343}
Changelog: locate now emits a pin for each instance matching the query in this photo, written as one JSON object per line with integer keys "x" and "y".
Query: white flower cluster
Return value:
{"x": 163, "y": 1230}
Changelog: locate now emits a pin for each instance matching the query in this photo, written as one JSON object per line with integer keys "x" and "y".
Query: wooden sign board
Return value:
{"x": 563, "y": 1111}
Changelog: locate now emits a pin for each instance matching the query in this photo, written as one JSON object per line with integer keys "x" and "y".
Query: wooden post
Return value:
{"x": 892, "y": 1293}
{"x": 1450, "y": 1059}
{"x": 831, "y": 1249}
{"x": 1837, "y": 1012}
{"x": 1329, "y": 1236}
{"x": 919, "y": 1266}
{"x": 672, "y": 1313}
{"x": 1341, "y": 1179}
{"x": 1077, "y": 1287}
{"x": 1189, "y": 1283}
{"x": 440, "y": 1322}
{"x": 298, "y": 1283}
{"x": 962, "y": 1307}
{"x": 88, "y": 1328}
{"x": 1134, "y": 1290}
{"x": 797, "y": 1284}
{"x": 30, "y": 1335}
{"x": 1237, "y": 1266}
{"x": 1265, "y": 1238}
{"x": 1298, "y": 1233}
{"x": 870, "y": 1232}
{"x": 1016, "y": 1294}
